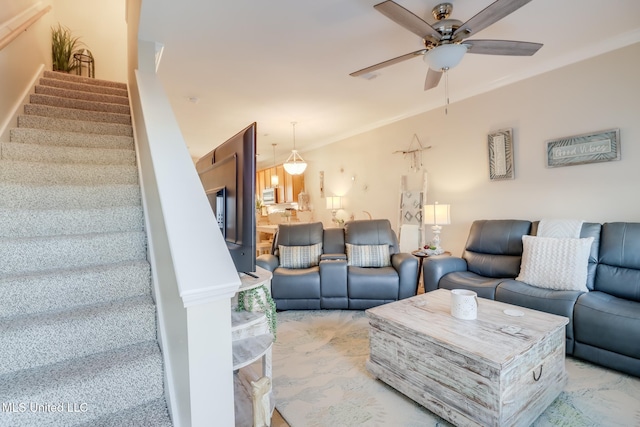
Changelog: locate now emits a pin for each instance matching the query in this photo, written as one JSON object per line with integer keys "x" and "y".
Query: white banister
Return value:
{"x": 193, "y": 273}
{"x": 12, "y": 28}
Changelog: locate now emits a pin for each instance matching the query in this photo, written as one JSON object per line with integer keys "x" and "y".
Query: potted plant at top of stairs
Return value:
{"x": 63, "y": 45}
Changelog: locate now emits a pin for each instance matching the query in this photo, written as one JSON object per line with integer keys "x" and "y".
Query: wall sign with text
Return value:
{"x": 594, "y": 147}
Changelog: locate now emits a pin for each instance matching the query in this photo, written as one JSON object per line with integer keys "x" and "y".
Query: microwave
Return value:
{"x": 269, "y": 196}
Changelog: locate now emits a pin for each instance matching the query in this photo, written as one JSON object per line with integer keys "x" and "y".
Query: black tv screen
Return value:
{"x": 228, "y": 175}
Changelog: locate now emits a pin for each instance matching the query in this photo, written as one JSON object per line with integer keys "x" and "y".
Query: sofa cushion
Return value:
{"x": 485, "y": 287}
{"x": 494, "y": 247}
{"x": 547, "y": 300}
{"x": 604, "y": 321}
{"x": 589, "y": 229}
{"x": 371, "y": 232}
{"x": 554, "y": 263}
{"x": 300, "y": 256}
{"x": 368, "y": 255}
{"x": 303, "y": 283}
{"x": 298, "y": 235}
{"x": 618, "y": 271}
{"x": 373, "y": 283}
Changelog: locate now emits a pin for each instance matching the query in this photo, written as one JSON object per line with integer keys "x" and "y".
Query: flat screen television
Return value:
{"x": 228, "y": 175}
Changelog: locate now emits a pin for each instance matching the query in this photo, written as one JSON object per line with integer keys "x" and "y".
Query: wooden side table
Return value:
{"x": 421, "y": 256}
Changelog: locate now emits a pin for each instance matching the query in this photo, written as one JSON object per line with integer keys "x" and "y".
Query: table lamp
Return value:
{"x": 436, "y": 215}
{"x": 334, "y": 203}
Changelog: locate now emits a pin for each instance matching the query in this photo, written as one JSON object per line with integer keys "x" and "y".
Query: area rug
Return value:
{"x": 320, "y": 379}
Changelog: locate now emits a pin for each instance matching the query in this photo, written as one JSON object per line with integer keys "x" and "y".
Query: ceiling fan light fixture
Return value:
{"x": 445, "y": 57}
{"x": 295, "y": 164}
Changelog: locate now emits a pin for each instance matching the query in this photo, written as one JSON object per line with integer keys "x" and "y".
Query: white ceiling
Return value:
{"x": 280, "y": 61}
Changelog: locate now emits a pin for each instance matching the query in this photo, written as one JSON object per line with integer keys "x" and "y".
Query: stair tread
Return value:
{"x": 78, "y": 104}
{"x": 82, "y": 85}
{"x": 53, "y": 336}
{"x": 45, "y": 153}
{"x": 151, "y": 414}
{"x": 87, "y": 80}
{"x": 56, "y": 222}
{"x": 24, "y": 255}
{"x": 104, "y": 383}
{"x": 55, "y": 196}
{"x": 63, "y": 112}
{"x": 79, "y": 126}
{"x": 76, "y": 94}
{"x": 66, "y": 173}
{"x": 72, "y": 286}
{"x": 70, "y": 139}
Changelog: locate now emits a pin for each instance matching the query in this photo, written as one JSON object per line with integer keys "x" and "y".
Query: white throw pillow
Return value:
{"x": 555, "y": 263}
{"x": 368, "y": 255}
{"x": 300, "y": 256}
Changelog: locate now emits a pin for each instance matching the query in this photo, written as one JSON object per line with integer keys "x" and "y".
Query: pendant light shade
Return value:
{"x": 295, "y": 164}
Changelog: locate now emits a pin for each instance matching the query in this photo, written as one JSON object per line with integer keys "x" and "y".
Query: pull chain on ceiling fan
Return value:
{"x": 444, "y": 40}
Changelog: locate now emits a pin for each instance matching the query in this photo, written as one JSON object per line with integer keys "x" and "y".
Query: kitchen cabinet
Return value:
{"x": 289, "y": 186}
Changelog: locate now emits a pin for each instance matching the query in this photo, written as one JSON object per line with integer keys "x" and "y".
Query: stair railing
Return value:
{"x": 193, "y": 273}
{"x": 21, "y": 22}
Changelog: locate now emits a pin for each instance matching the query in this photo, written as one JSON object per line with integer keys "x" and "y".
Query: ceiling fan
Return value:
{"x": 445, "y": 40}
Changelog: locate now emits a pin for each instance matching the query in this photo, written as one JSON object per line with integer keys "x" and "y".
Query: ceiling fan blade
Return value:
{"x": 407, "y": 19}
{"x": 502, "y": 47}
{"x": 432, "y": 80}
{"x": 388, "y": 62}
{"x": 491, "y": 14}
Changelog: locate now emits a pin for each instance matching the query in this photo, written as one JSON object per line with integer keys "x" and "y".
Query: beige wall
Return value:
{"x": 596, "y": 94}
{"x": 21, "y": 60}
{"x": 101, "y": 26}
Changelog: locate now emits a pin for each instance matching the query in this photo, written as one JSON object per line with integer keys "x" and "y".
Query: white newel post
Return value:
{"x": 210, "y": 363}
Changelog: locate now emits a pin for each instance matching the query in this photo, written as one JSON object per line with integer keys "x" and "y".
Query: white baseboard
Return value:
{"x": 12, "y": 120}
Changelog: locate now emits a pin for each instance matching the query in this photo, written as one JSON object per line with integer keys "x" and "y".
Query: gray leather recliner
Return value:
{"x": 371, "y": 286}
{"x": 333, "y": 284}
{"x": 492, "y": 253}
{"x": 294, "y": 288}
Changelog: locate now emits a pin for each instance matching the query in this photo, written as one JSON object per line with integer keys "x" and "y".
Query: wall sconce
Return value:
{"x": 334, "y": 203}
{"x": 436, "y": 215}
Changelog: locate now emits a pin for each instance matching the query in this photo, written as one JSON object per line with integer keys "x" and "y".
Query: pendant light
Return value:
{"x": 274, "y": 177}
{"x": 295, "y": 164}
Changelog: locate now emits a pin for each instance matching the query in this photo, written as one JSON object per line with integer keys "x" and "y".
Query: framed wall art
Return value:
{"x": 501, "y": 155}
{"x": 602, "y": 146}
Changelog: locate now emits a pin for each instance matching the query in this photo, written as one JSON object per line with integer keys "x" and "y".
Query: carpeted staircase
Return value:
{"x": 78, "y": 341}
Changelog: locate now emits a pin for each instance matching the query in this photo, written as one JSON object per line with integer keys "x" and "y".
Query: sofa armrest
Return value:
{"x": 435, "y": 267}
{"x": 268, "y": 262}
{"x": 407, "y": 267}
{"x": 337, "y": 256}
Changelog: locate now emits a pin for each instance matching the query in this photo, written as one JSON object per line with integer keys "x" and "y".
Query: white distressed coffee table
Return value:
{"x": 497, "y": 370}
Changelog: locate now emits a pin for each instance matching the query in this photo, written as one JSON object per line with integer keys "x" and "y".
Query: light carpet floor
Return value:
{"x": 320, "y": 379}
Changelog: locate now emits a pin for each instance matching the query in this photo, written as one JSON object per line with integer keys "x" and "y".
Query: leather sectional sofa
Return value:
{"x": 604, "y": 318}
{"x": 355, "y": 267}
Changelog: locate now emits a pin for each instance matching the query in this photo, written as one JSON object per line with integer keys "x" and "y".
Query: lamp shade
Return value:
{"x": 436, "y": 214}
{"x": 334, "y": 202}
{"x": 445, "y": 57}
